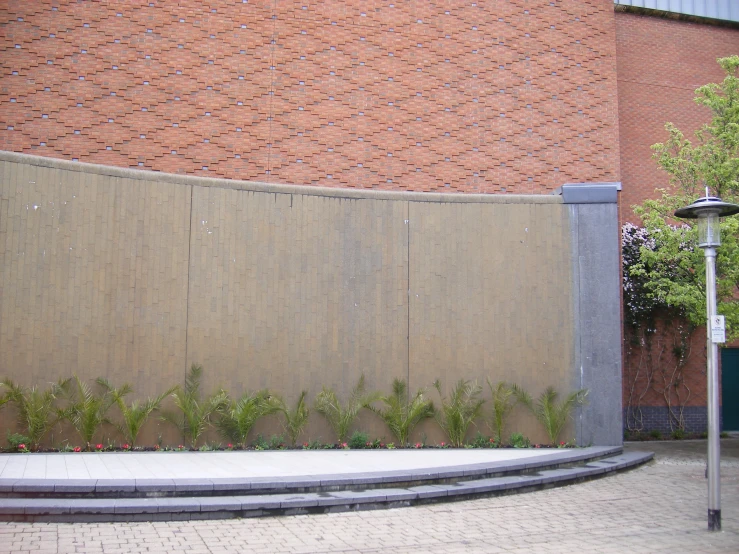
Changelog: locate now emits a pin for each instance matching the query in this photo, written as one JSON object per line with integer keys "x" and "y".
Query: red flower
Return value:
{"x": 77, "y": 449}
{"x": 99, "y": 446}
{"x": 230, "y": 445}
{"x": 126, "y": 446}
{"x": 21, "y": 446}
{"x": 418, "y": 445}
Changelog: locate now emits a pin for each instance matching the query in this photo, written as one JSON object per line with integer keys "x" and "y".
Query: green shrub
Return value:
{"x": 194, "y": 412}
{"x": 402, "y": 415}
{"x": 260, "y": 443}
{"x": 481, "y": 441}
{"x": 135, "y": 414}
{"x": 85, "y": 409}
{"x": 504, "y": 399}
{"x": 295, "y": 419}
{"x": 655, "y": 434}
{"x": 358, "y": 440}
{"x": 237, "y": 417}
{"x": 678, "y": 434}
{"x": 552, "y": 415}
{"x": 276, "y": 442}
{"x": 519, "y": 441}
{"x": 15, "y": 439}
{"x": 36, "y": 410}
{"x": 339, "y": 417}
{"x": 460, "y": 410}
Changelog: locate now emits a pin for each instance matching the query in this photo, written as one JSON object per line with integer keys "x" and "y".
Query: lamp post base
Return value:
{"x": 714, "y": 520}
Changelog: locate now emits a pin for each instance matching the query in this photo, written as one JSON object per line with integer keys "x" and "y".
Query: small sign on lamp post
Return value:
{"x": 718, "y": 329}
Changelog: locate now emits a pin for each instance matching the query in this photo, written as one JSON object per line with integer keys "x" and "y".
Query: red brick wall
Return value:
{"x": 660, "y": 64}
{"x": 487, "y": 96}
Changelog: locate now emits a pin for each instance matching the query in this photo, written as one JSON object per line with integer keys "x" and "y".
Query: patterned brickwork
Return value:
{"x": 502, "y": 96}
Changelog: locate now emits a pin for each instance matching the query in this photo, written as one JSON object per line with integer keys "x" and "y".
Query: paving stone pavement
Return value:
{"x": 659, "y": 507}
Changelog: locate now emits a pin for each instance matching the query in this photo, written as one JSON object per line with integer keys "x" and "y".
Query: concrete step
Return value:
{"x": 294, "y": 498}
{"x": 324, "y": 482}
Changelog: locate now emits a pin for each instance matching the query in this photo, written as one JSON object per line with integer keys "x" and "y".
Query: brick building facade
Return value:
{"x": 518, "y": 96}
{"x": 469, "y": 96}
{"x": 661, "y": 61}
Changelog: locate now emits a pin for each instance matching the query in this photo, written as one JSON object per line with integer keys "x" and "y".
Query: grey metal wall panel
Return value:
{"x": 727, "y": 10}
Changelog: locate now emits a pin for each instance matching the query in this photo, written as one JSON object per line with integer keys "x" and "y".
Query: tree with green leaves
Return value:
{"x": 401, "y": 414}
{"x": 669, "y": 271}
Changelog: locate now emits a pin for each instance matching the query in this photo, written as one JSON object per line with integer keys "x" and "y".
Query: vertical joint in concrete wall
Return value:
{"x": 594, "y": 235}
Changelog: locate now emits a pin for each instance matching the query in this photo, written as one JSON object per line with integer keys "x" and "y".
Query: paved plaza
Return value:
{"x": 659, "y": 507}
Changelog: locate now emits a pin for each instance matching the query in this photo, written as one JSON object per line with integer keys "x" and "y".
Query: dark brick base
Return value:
{"x": 654, "y": 418}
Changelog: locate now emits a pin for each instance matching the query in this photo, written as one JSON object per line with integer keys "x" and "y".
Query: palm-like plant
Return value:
{"x": 194, "y": 411}
{"x": 36, "y": 412}
{"x": 4, "y": 399}
{"x": 135, "y": 414}
{"x": 400, "y": 414}
{"x": 85, "y": 410}
{"x": 504, "y": 399}
{"x": 460, "y": 410}
{"x": 552, "y": 415}
{"x": 295, "y": 419}
{"x": 237, "y": 417}
{"x": 339, "y": 417}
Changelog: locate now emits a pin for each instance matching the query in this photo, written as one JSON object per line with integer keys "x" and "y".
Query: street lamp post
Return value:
{"x": 707, "y": 211}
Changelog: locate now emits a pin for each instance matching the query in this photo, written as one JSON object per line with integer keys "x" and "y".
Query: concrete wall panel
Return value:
{"x": 93, "y": 277}
{"x": 136, "y": 275}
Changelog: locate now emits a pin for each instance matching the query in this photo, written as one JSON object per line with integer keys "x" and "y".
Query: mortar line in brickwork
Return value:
{"x": 271, "y": 89}
{"x": 660, "y": 85}
{"x": 187, "y": 294}
{"x": 408, "y": 301}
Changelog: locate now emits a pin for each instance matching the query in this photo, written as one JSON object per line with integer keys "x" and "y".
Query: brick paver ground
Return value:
{"x": 660, "y": 507}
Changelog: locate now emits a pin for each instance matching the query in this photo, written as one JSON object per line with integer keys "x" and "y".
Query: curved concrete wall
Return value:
{"x": 136, "y": 275}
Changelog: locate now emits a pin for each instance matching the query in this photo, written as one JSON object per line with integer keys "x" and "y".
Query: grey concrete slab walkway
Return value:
{"x": 658, "y": 507}
{"x": 193, "y": 465}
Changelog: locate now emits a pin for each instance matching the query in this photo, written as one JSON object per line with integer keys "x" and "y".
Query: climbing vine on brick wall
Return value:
{"x": 658, "y": 333}
{"x": 664, "y": 272}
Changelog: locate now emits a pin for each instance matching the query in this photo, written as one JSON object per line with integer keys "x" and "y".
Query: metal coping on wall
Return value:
{"x": 589, "y": 193}
{"x": 676, "y": 16}
{"x": 275, "y": 188}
